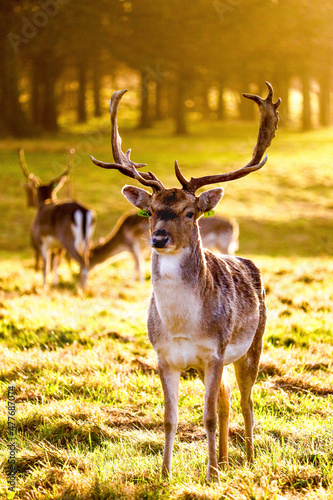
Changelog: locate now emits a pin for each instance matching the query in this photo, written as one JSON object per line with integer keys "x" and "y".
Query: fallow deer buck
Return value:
{"x": 131, "y": 234}
{"x": 60, "y": 225}
{"x": 205, "y": 311}
{"x": 30, "y": 187}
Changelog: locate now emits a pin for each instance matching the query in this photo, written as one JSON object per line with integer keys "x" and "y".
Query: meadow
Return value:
{"x": 89, "y": 404}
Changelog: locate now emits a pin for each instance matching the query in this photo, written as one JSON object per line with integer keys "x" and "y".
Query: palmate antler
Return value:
{"x": 269, "y": 117}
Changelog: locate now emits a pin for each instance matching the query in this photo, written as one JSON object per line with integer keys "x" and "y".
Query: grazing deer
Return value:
{"x": 205, "y": 311}
{"x": 131, "y": 234}
{"x": 59, "y": 226}
{"x": 30, "y": 187}
{"x": 219, "y": 234}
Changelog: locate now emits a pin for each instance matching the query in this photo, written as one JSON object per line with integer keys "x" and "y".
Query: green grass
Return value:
{"x": 89, "y": 404}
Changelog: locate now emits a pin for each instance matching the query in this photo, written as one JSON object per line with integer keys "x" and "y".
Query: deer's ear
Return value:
{"x": 137, "y": 196}
{"x": 210, "y": 199}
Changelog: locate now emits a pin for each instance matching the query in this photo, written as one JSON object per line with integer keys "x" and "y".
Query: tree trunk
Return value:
{"x": 180, "y": 111}
{"x": 324, "y": 100}
{"x": 49, "y": 111}
{"x": 306, "y": 111}
{"x": 81, "y": 97}
{"x": 12, "y": 118}
{"x": 145, "y": 120}
{"x": 97, "y": 89}
{"x": 246, "y": 107}
{"x": 170, "y": 100}
{"x": 35, "y": 100}
{"x": 205, "y": 103}
{"x": 220, "y": 103}
{"x": 158, "y": 101}
{"x": 282, "y": 90}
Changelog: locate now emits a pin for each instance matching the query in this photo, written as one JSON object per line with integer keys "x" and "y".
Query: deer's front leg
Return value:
{"x": 170, "y": 384}
{"x": 46, "y": 263}
{"x": 213, "y": 376}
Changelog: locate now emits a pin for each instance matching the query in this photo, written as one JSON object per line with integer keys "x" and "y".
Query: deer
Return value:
{"x": 59, "y": 226}
{"x": 205, "y": 311}
{"x": 30, "y": 187}
{"x": 131, "y": 234}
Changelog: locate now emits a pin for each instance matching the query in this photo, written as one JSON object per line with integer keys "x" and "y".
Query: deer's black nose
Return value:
{"x": 160, "y": 239}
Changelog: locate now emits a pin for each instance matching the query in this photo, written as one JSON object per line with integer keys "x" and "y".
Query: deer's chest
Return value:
{"x": 181, "y": 342}
{"x": 179, "y": 310}
{"x": 178, "y": 304}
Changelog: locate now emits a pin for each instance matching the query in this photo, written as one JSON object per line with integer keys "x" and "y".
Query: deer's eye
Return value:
{"x": 189, "y": 215}
{"x": 149, "y": 213}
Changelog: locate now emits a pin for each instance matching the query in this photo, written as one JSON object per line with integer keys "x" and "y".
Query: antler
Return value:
{"x": 123, "y": 161}
{"x": 67, "y": 172}
{"x": 269, "y": 117}
{"x": 65, "y": 176}
{"x": 30, "y": 176}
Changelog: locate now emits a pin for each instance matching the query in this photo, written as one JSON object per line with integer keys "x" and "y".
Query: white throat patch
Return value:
{"x": 170, "y": 265}
{"x": 177, "y": 303}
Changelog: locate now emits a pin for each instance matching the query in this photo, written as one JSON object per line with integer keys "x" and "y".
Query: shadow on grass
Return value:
{"x": 297, "y": 237}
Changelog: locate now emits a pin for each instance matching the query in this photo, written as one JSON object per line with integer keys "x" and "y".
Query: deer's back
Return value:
{"x": 52, "y": 216}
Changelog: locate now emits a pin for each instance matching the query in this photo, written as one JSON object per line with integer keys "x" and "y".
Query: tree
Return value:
{"x": 12, "y": 119}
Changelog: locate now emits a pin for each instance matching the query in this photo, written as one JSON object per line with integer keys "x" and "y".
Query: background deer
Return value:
{"x": 205, "y": 311}
{"x": 131, "y": 234}
{"x": 59, "y": 226}
{"x": 30, "y": 188}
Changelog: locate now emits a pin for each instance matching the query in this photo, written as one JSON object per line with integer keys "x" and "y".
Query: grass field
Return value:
{"x": 89, "y": 404}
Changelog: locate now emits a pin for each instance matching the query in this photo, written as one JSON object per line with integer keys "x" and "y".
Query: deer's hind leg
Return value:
{"x": 45, "y": 253}
{"x": 246, "y": 370}
{"x": 223, "y": 407}
{"x": 138, "y": 262}
{"x": 80, "y": 259}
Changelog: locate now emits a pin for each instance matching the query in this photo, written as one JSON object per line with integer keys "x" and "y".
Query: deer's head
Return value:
{"x": 173, "y": 213}
{"x": 38, "y": 192}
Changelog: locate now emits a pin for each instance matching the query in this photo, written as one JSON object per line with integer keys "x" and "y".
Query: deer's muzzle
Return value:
{"x": 160, "y": 239}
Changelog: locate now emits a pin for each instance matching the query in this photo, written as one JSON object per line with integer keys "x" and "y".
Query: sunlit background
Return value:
{"x": 61, "y": 59}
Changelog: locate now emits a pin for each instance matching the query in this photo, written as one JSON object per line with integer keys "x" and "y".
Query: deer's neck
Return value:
{"x": 109, "y": 246}
{"x": 178, "y": 280}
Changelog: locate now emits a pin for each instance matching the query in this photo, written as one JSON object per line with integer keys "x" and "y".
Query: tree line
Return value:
{"x": 54, "y": 54}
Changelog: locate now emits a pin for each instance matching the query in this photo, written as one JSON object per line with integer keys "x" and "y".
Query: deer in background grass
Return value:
{"x": 58, "y": 226}
{"x": 205, "y": 311}
{"x": 30, "y": 188}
